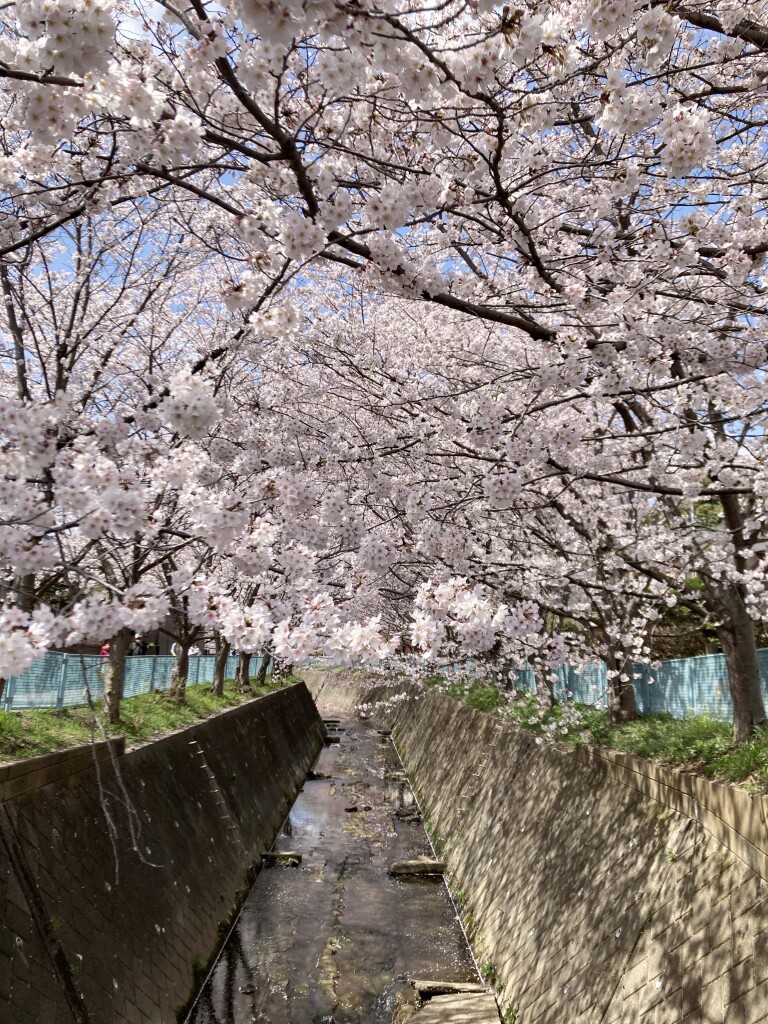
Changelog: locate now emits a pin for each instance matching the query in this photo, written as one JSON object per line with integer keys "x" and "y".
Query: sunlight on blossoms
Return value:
{"x": 409, "y": 337}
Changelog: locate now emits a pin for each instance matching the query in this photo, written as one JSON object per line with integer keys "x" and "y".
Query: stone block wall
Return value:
{"x": 597, "y": 888}
{"x": 116, "y": 877}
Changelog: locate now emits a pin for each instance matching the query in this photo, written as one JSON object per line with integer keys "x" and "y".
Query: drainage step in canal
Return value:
{"x": 420, "y": 866}
{"x": 458, "y": 1009}
{"x": 335, "y": 939}
{"x": 290, "y": 857}
{"x": 428, "y": 989}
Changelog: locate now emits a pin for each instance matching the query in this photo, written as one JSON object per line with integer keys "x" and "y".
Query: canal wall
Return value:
{"x": 597, "y": 887}
{"x": 117, "y": 870}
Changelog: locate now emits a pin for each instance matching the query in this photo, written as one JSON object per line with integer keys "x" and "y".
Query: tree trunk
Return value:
{"x": 220, "y": 665}
{"x": 2, "y": 687}
{"x": 737, "y": 636}
{"x": 244, "y": 671}
{"x": 25, "y": 589}
{"x": 622, "y": 704}
{"x": 509, "y": 677}
{"x": 180, "y": 673}
{"x": 114, "y": 679}
{"x": 545, "y": 691}
{"x": 261, "y": 675}
{"x": 736, "y": 631}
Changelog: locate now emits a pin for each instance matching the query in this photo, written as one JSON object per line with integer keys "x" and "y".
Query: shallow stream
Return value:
{"x": 335, "y": 940}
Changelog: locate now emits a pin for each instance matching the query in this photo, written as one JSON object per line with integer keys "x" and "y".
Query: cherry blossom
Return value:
{"x": 327, "y": 324}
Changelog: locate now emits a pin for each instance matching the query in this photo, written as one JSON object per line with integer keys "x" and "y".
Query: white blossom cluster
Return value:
{"x": 656, "y": 30}
{"x": 76, "y": 35}
{"x": 189, "y": 407}
{"x": 375, "y": 553}
{"x": 687, "y": 140}
{"x": 456, "y": 609}
{"x": 24, "y": 637}
{"x": 605, "y": 18}
{"x": 304, "y": 317}
{"x": 501, "y": 488}
{"x": 302, "y": 237}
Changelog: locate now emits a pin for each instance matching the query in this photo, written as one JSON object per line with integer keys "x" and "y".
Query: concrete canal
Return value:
{"x": 335, "y": 939}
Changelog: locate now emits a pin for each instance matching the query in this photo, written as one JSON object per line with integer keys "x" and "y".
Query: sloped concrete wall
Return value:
{"x": 116, "y": 877}
{"x": 597, "y": 887}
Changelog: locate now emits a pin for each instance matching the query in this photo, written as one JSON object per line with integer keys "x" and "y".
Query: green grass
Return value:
{"x": 438, "y": 843}
{"x": 28, "y": 733}
{"x": 484, "y": 698}
{"x": 699, "y": 744}
{"x": 490, "y": 974}
{"x": 680, "y": 741}
{"x": 461, "y": 898}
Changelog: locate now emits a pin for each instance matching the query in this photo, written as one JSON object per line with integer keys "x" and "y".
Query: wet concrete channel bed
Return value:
{"x": 335, "y": 939}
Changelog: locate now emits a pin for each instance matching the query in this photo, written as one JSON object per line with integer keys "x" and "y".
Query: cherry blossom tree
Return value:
{"x": 485, "y": 309}
{"x": 490, "y": 467}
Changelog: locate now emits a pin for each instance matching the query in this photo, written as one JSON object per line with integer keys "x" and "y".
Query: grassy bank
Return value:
{"x": 146, "y": 717}
{"x": 700, "y": 743}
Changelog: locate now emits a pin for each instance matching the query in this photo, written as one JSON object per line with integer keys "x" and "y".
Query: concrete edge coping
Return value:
{"x": 34, "y": 772}
{"x": 31, "y": 773}
{"x": 232, "y": 712}
{"x": 738, "y": 819}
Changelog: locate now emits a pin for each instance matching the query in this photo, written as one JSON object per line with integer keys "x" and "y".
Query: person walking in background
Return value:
{"x": 139, "y": 646}
{"x": 104, "y": 652}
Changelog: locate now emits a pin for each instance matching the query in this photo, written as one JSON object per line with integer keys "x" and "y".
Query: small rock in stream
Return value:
{"x": 410, "y": 814}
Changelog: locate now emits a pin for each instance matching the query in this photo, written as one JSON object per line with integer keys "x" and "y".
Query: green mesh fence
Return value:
{"x": 680, "y": 687}
{"x": 63, "y": 680}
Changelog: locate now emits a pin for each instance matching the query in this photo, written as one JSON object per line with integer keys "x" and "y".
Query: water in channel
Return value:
{"x": 335, "y": 940}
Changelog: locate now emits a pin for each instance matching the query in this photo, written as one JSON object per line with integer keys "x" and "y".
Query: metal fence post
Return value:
{"x": 11, "y": 691}
{"x": 62, "y": 683}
